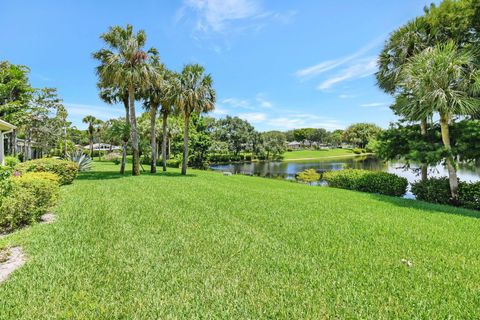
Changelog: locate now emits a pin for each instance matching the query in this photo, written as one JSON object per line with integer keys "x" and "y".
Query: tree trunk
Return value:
{"x": 185, "y": 145}
{"x": 91, "y": 146}
{"x": 164, "y": 140}
{"x": 169, "y": 148}
{"x": 452, "y": 172}
{"x": 65, "y": 134}
{"x": 133, "y": 132}
{"x": 153, "y": 138}
{"x": 124, "y": 157}
{"x": 424, "y": 166}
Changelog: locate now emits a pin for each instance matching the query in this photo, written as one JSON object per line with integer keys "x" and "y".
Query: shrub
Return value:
{"x": 83, "y": 161}
{"x": 43, "y": 185}
{"x": 367, "y": 181}
{"x": 16, "y": 209}
{"x": 358, "y": 150}
{"x": 469, "y": 195}
{"x": 114, "y": 157}
{"x": 435, "y": 190}
{"x": 66, "y": 170}
{"x": 11, "y": 162}
{"x": 248, "y": 157}
{"x": 174, "y": 163}
{"x": 308, "y": 176}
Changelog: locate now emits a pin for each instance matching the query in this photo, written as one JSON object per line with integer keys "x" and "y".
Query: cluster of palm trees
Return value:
{"x": 431, "y": 77}
{"x": 127, "y": 73}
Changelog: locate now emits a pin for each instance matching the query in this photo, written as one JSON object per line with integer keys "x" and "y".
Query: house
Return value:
{"x": 102, "y": 147}
{"x": 294, "y": 145}
{"x": 5, "y": 128}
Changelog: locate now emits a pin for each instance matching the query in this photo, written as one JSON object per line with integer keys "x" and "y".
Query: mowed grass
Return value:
{"x": 210, "y": 246}
{"x": 316, "y": 154}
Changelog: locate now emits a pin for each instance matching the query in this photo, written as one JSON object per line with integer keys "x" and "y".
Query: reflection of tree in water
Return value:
{"x": 288, "y": 170}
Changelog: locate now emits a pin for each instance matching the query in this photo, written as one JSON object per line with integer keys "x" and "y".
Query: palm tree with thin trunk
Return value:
{"x": 113, "y": 95}
{"x": 445, "y": 80}
{"x": 126, "y": 65}
{"x": 153, "y": 97}
{"x": 167, "y": 108}
{"x": 91, "y": 121}
{"x": 194, "y": 93}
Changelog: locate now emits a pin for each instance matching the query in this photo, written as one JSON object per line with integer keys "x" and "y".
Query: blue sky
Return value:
{"x": 277, "y": 64}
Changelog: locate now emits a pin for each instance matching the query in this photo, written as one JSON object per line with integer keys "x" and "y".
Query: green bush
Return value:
{"x": 469, "y": 195}
{"x": 358, "y": 150}
{"x": 17, "y": 209}
{"x": 435, "y": 190}
{"x": 308, "y": 176}
{"x": 43, "y": 185}
{"x": 66, "y": 170}
{"x": 11, "y": 162}
{"x": 367, "y": 181}
{"x": 174, "y": 163}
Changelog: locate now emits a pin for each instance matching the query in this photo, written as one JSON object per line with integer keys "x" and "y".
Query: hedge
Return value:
{"x": 437, "y": 190}
{"x": 29, "y": 196}
{"x": 66, "y": 170}
{"x": 367, "y": 181}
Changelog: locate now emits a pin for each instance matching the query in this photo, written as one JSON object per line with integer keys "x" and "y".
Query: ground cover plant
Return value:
{"x": 206, "y": 245}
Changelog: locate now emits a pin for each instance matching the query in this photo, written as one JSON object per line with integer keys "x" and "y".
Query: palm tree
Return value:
{"x": 113, "y": 95}
{"x": 404, "y": 43}
{"x": 167, "y": 108}
{"x": 62, "y": 114}
{"x": 445, "y": 80}
{"x": 153, "y": 97}
{"x": 125, "y": 65}
{"x": 121, "y": 129}
{"x": 194, "y": 93}
{"x": 91, "y": 121}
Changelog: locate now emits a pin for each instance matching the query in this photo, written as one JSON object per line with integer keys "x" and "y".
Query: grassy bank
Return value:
{"x": 210, "y": 246}
{"x": 316, "y": 154}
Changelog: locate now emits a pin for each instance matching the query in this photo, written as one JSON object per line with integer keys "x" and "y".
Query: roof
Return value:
{"x": 5, "y": 126}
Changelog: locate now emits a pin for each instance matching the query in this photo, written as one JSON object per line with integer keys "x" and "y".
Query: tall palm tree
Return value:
{"x": 445, "y": 80}
{"x": 153, "y": 96}
{"x": 113, "y": 95}
{"x": 403, "y": 44}
{"x": 121, "y": 129}
{"x": 126, "y": 65}
{"x": 194, "y": 93}
{"x": 91, "y": 121}
{"x": 167, "y": 108}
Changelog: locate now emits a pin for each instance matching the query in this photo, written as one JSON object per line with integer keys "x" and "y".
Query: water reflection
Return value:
{"x": 287, "y": 170}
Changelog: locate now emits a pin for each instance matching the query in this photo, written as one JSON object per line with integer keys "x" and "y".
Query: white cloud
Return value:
{"x": 237, "y": 103}
{"x": 362, "y": 68}
{"x": 346, "y": 96}
{"x": 303, "y": 121}
{"x": 264, "y": 102}
{"x": 327, "y": 65}
{"x": 253, "y": 117}
{"x": 214, "y": 15}
{"x": 374, "y": 104}
{"x": 77, "y": 111}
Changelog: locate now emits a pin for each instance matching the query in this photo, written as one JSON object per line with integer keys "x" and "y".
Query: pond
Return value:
{"x": 288, "y": 169}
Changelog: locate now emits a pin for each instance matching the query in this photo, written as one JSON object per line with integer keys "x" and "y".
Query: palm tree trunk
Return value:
{"x": 134, "y": 134}
{"x": 185, "y": 145}
{"x": 424, "y": 166}
{"x": 164, "y": 140}
{"x": 124, "y": 157}
{"x": 153, "y": 138}
{"x": 452, "y": 171}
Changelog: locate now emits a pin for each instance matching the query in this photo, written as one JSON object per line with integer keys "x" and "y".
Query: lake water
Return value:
{"x": 288, "y": 169}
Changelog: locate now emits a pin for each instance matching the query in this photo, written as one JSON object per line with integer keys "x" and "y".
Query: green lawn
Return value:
{"x": 316, "y": 154}
{"x": 210, "y": 246}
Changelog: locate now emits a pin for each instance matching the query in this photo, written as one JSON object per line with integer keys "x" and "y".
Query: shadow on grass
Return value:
{"x": 107, "y": 175}
{"x": 417, "y": 204}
